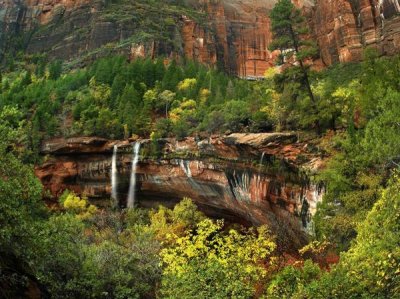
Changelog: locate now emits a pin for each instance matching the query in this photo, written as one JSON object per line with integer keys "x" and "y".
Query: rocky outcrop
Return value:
{"x": 344, "y": 28}
{"x": 252, "y": 178}
{"x": 235, "y": 34}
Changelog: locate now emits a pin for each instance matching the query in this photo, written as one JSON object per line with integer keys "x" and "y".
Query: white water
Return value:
{"x": 132, "y": 184}
{"x": 114, "y": 171}
{"x": 261, "y": 161}
{"x": 240, "y": 186}
{"x": 186, "y": 168}
{"x": 259, "y": 173}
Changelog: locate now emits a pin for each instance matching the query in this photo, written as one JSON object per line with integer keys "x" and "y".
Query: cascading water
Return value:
{"x": 114, "y": 172}
{"x": 259, "y": 177}
{"x": 261, "y": 162}
{"x": 186, "y": 168}
{"x": 132, "y": 184}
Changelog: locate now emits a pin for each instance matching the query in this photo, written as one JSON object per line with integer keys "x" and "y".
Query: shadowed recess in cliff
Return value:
{"x": 226, "y": 176}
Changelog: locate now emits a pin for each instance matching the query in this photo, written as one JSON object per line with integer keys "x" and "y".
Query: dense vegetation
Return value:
{"x": 114, "y": 98}
{"x": 79, "y": 251}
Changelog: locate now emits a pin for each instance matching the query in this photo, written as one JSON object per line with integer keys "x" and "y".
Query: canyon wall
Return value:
{"x": 245, "y": 178}
{"x": 235, "y": 34}
{"x": 344, "y": 28}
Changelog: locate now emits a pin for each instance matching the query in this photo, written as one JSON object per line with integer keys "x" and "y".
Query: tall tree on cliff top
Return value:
{"x": 290, "y": 37}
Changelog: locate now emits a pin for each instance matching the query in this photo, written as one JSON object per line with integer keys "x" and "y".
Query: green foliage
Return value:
{"x": 114, "y": 98}
{"x": 291, "y": 38}
{"x": 166, "y": 222}
{"x": 373, "y": 262}
{"x": 84, "y": 257}
{"x": 363, "y": 154}
{"x": 76, "y": 205}
{"x": 210, "y": 264}
{"x": 288, "y": 26}
{"x": 291, "y": 281}
{"x": 371, "y": 267}
{"x": 21, "y": 208}
{"x": 55, "y": 70}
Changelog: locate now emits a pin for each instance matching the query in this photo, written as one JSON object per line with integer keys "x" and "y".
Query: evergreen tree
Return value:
{"x": 172, "y": 76}
{"x": 290, "y": 37}
{"x": 55, "y": 70}
{"x": 148, "y": 70}
{"x": 117, "y": 87}
{"x": 159, "y": 70}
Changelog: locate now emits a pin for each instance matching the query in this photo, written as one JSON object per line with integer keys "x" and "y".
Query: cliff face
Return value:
{"x": 227, "y": 177}
{"x": 344, "y": 28}
{"x": 235, "y": 34}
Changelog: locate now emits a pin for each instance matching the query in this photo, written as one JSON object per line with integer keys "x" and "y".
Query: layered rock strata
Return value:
{"x": 344, "y": 28}
{"x": 252, "y": 178}
{"x": 236, "y": 34}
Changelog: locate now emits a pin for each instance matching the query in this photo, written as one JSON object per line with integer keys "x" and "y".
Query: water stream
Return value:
{"x": 185, "y": 165}
{"x": 261, "y": 162}
{"x": 114, "y": 172}
{"x": 132, "y": 183}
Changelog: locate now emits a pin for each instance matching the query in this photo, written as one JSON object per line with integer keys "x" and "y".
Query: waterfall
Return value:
{"x": 114, "y": 171}
{"x": 259, "y": 170}
{"x": 132, "y": 184}
{"x": 186, "y": 168}
{"x": 261, "y": 161}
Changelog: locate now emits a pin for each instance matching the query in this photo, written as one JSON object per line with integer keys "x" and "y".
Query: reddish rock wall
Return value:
{"x": 236, "y": 35}
{"x": 344, "y": 28}
{"x": 224, "y": 176}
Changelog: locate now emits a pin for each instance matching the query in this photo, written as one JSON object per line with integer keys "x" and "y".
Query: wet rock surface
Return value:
{"x": 254, "y": 178}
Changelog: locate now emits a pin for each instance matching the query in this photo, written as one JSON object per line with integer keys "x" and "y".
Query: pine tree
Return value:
{"x": 55, "y": 70}
{"x": 117, "y": 87}
{"x": 172, "y": 76}
{"x": 290, "y": 37}
{"x": 148, "y": 73}
{"x": 159, "y": 70}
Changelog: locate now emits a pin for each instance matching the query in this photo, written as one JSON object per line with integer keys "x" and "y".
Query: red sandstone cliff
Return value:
{"x": 236, "y": 35}
{"x": 344, "y": 28}
{"x": 227, "y": 176}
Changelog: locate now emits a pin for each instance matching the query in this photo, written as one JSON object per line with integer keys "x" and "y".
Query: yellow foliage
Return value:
{"x": 204, "y": 95}
{"x": 79, "y": 206}
{"x": 234, "y": 251}
{"x": 185, "y": 108}
{"x": 188, "y": 105}
{"x": 270, "y": 73}
{"x": 213, "y": 261}
{"x": 175, "y": 114}
{"x": 169, "y": 224}
{"x": 276, "y": 109}
{"x": 187, "y": 84}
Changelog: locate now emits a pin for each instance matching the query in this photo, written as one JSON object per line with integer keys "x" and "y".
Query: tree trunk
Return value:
{"x": 311, "y": 95}
{"x": 306, "y": 80}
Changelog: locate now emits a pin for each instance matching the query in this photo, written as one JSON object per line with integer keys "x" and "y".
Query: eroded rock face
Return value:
{"x": 236, "y": 35}
{"x": 226, "y": 176}
{"x": 344, "y": 28}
